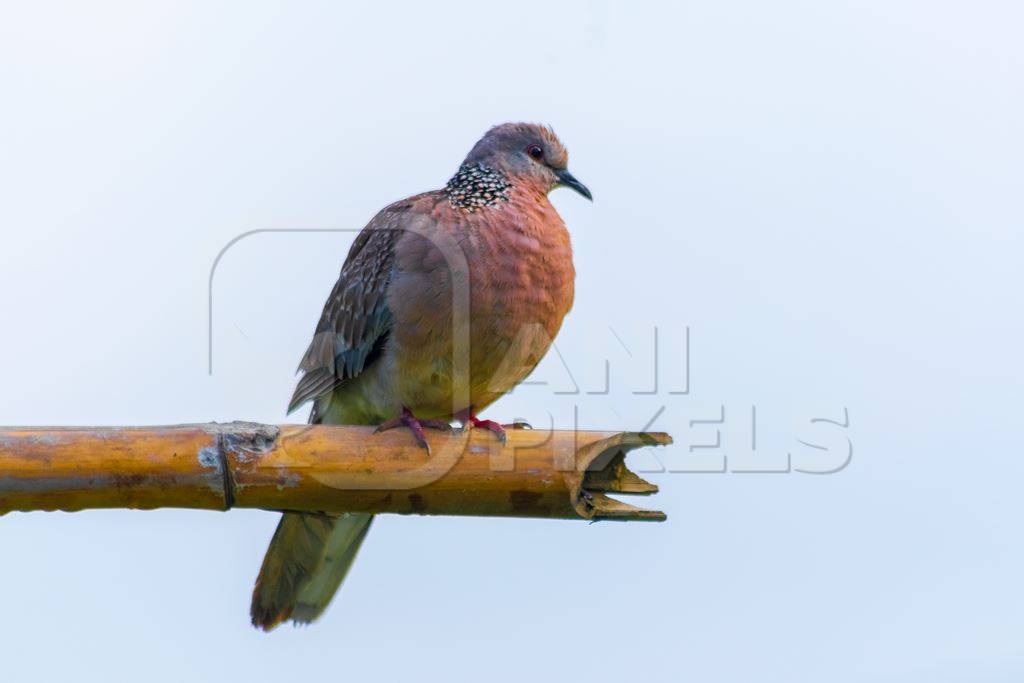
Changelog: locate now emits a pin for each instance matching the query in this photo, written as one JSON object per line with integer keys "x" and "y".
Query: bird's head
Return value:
{"x": 526, "y": 153}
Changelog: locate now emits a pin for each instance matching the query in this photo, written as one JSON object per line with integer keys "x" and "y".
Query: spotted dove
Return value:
{"x": 382, "y": 353}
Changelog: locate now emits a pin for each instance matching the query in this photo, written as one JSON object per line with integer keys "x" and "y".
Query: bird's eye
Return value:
{"x": 535, "y": 152}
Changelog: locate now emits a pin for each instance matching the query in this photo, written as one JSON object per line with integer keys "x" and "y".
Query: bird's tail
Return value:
{"x": 307, "y": 560}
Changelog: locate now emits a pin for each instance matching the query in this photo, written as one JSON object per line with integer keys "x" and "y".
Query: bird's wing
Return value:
{"x": 356, "y": 320}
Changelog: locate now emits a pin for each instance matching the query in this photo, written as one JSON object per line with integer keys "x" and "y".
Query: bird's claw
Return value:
{"x": 496, "y": 428}
{"x": 414, "y": 425}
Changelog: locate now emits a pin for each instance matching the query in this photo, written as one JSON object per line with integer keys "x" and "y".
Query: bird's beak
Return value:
{"x": 566, "y": 179}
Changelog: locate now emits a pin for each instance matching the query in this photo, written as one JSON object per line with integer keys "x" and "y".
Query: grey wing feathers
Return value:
{"x": 356, "y": 319}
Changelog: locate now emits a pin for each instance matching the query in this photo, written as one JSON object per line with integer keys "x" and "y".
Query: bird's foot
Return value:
{"x": 496, "y": 428}
{"x": 415, "y": 425}
{"x": 471, "y": 421}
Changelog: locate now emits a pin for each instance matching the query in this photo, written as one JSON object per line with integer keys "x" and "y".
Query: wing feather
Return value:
{"x": 356, "y": 320}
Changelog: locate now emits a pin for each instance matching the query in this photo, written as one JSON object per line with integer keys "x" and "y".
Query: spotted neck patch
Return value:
{"x": 476, "y": 186}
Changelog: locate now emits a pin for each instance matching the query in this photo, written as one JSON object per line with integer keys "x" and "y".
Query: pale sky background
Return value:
{"x": 826, "y": 194}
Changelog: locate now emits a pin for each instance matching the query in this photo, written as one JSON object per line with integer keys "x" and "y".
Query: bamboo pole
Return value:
{"x": 555, "y": 474}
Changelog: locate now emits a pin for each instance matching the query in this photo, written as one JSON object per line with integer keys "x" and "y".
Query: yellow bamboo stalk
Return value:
{"x": 555, "y": 474}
